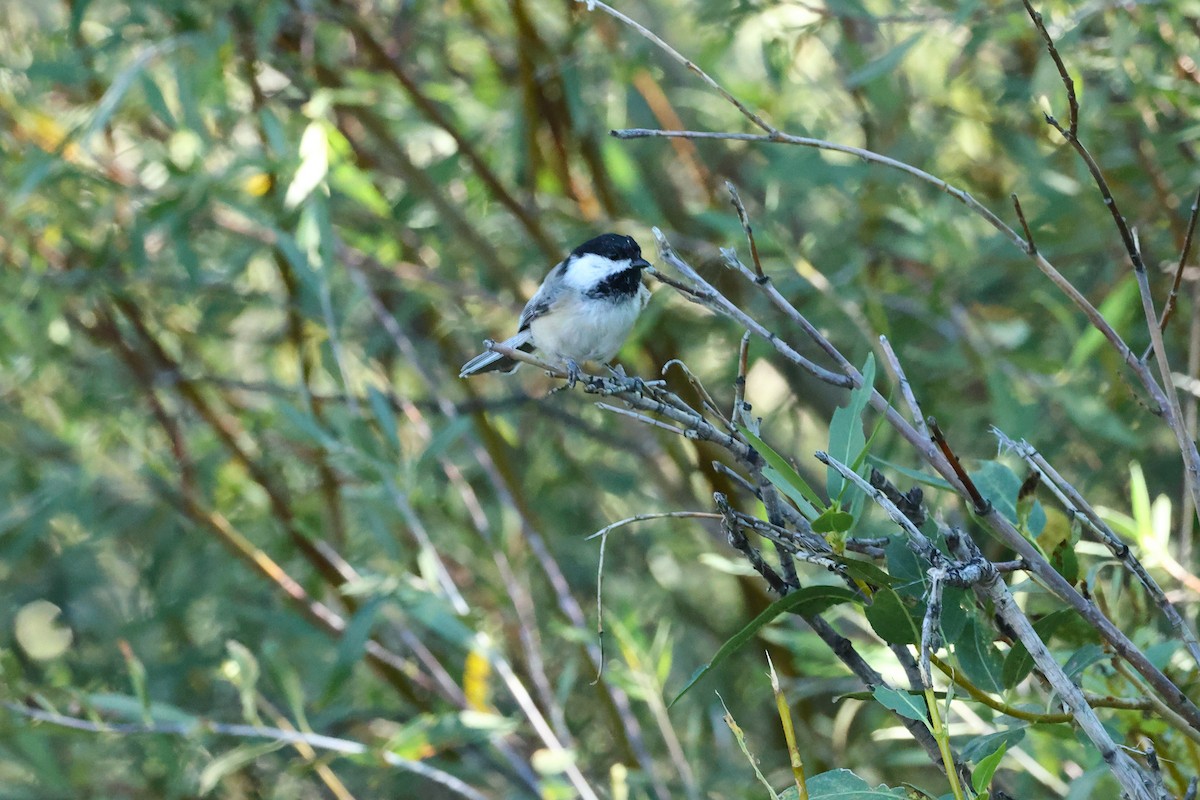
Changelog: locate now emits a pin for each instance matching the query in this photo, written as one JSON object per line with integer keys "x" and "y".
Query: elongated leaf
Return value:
{"x": 314, "y": 165}
{"x": 833, "y": 520}
{"x": 906, "y": 705}
{"x": 1018, "y": 662}
{"x": 350, "y": 648}
{"x": 895, "y": 618}
{"x": 886, "y": 63}
{"x": 979, "y": 658}
{"x": 231, "y": 761}
{"x": 842, "y": 784}
{"x": 986, "y": 768}
{"x": 975, "y": 749}
{"x": 384, "y": 415}
{"x": 916, "y": 475}
{"x": 781, "y": 483}
{"x": 778, "y": 469}
{"x": 806, "y": 601}
{"x": 847, "y": 441}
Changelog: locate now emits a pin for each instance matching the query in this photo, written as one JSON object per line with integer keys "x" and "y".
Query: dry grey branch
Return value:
{"x": 1078, "y": 508}
{"x": 975, "y": 571}
{"x": 988, "y": 516}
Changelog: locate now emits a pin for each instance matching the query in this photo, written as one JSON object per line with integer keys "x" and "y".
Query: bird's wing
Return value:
{"x": 549, "y": 295}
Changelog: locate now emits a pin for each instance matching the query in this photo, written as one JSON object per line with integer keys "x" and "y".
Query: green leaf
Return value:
{"x": 986, "y": 768}
{"x": 909, "y": 706}
{"x": 881, "y": 66}
{"x": 1083, "y": 658}
{"x": 892, "y": 617}
{"x": 780, "y": 473}
{"x": 833, "y": 520}
{"x": 912, "y": 474}
{"x": 904, "y": 566}
{"x": 802, "y": 502}
{"x": 847, "y": 441}
{"x": 842, "y": 784}
{"x": 979, "y": 658}
{"x": 866, "y": 572}
{"x": 977, "y": 746}
{"x": 1018, "y": 662}
{"x": 350, "y": 646}
{"x": 228, "y": 763}
{"x": 999, "y": 484}
{"x": 955, "y": 604}
{"x": 805, "y": 602}
{"x": 382, "y": 409}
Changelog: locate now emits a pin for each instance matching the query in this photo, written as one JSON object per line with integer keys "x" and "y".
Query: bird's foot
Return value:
{"x": 573, "y": 373}
{"x": 628, "y": 384}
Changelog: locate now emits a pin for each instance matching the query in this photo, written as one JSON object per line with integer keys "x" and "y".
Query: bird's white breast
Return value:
{"x": 584, "y": 329}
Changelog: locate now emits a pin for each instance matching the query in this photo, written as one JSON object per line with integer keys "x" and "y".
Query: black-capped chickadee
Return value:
{"x": 583, "y": 310}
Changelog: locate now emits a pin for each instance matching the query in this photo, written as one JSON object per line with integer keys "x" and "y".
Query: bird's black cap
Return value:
{"x": 611, "y": 245}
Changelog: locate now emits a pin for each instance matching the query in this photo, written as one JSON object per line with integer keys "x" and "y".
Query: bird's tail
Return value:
{"x": 495, "y": 362}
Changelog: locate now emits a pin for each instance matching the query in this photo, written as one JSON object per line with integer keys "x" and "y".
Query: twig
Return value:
{"x": 1033, "y": 560}
{"x": 1184, "y": 254}
{"x": 930, "y": 639}
{"x": 906, "y": 390}
{"x": 738, "y": 541}
{"x": 675, "y": 54}
{"x": 201, "y": 726}
{"x": 1032, "y": 248}
{"x": 741, "y": 409}
{"x": 745, "y": 220}
{"x": 726, "y": 307}
{"x": 1069, "y": 84}
{"x": 625, "y": 412}
{"x": 1078, "y": 508}
{"x": 982, "y": 505}
{"x": 977, "y": 572}
{"x": 1165, "y": 395}
{"x": 706, "y": 399}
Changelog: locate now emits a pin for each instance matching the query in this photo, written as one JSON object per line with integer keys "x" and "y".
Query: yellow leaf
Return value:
{"x": 476, "y": 672}
{"x": 257, "y": 184}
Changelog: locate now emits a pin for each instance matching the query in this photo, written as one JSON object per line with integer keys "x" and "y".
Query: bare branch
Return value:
{"x": 1185, "y": 253}
{"x": 745, "y": 220}
{"x": 677, "y": 56}
{"x": 1068, "y": 84}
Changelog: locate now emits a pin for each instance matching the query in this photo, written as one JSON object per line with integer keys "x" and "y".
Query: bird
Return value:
{"x": 583, "y": 311}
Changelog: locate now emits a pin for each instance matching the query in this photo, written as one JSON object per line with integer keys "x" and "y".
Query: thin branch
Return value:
{"x": 716, "y": 300}
{"x": 906, "y": 390}
{"x": 1068, "y": 84}
{"x": 744, "y": 218}
{"x": 982, "y": 505}
{"x": 741, "y": 409}
{"x": 738, "y": 541}
{"x": 200, "y": 726}
{"x": 706, "y": 399}
{"x": 1166, "y": 397}
{"x": 1034, "y": 560}
{"x": 1078, "y": 508}
{"x": 1184, "y": 255}
{"x": 977, "y": 572}
{"x": 687, "y": 63}
{"x": 1032, "y": 246}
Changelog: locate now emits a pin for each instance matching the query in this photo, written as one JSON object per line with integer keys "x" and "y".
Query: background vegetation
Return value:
{"x": 246, "y": 246}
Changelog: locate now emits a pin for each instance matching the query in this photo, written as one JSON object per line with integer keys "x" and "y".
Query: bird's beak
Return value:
{"x": 641, "y": 263}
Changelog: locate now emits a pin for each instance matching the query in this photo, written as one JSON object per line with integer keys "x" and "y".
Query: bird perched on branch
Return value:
{"x": 583, "y": 310}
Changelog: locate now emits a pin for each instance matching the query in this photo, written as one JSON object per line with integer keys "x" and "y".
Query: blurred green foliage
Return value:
{"x": 246, "y": 245}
